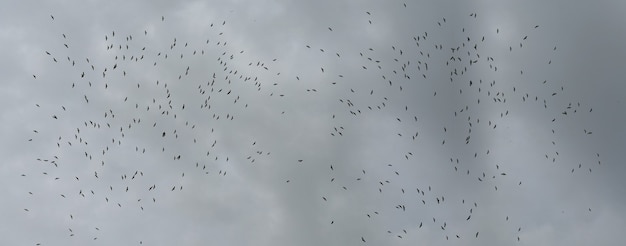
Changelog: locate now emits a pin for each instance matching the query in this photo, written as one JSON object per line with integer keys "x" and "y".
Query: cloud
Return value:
{"x": 219, "y": 122}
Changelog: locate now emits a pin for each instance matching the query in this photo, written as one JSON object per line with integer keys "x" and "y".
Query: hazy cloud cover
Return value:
{"x": 312, "y": 122}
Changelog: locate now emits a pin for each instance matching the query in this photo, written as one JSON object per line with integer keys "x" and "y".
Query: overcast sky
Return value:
{"x": 312, "y": 122}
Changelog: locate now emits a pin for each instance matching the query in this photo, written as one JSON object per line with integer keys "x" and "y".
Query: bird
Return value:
{"x": 397, "y": 67}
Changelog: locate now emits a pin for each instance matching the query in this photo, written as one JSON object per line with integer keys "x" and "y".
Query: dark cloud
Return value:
{"x": 387, "y": 95}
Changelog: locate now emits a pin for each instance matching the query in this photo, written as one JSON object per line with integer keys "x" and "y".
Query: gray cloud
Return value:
{"x": 382, "y": 129}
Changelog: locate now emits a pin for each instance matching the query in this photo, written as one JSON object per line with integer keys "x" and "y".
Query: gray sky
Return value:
{"x": 197, "y": 122}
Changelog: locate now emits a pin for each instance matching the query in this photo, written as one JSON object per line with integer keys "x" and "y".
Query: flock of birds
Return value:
{"x": 147, "y": 99}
